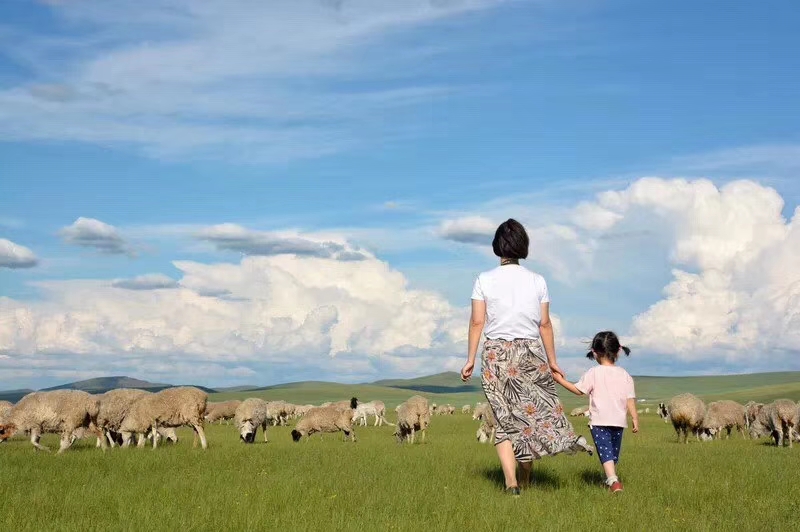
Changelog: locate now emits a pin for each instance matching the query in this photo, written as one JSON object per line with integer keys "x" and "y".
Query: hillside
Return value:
{"x": 103, "y": 384}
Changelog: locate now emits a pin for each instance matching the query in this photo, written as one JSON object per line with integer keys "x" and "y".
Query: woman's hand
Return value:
{"x": 556, "y": 370}
{"x": 466, "y": 371}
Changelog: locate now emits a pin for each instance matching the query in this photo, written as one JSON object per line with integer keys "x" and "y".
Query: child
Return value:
{"x": 611, "y": 392}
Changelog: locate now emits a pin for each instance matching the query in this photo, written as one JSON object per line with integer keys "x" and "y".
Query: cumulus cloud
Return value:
{"x": 468, "y": 230}
{"x": 14, "y": 256}
{"x": 153, "y": 281}
{"x": 284, "y": 316}
{"x": 92, "y": 233}
{"x": 232, "y": 237}
{"x": 251, "y": 80}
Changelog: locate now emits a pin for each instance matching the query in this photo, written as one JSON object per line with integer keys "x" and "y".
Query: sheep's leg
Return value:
{"x": 141, "y": 440}
{"x": 66, "y": 442}
{"x": 35, "y": 435}
{"x": 111, "y": 441}
{"x": 199, "y": 432}
{"x": 264, "y": 428}
{"x": 154, "y": 434}
{"x": 412, "y": 436}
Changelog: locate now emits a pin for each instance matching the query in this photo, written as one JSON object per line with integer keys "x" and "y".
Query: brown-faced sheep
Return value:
{"x": 173, "y": 407}
{"x": 222, "y": 411}
{"x": 322, "y": 419}
{"x": 60, "y": 412}
{"x": 686, "y": 411}
{"x": 724, "y": 415}
{"x": 249, "y": 415}
{"x": 412, "y": 416}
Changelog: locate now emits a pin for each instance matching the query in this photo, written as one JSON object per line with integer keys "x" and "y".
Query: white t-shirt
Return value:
{"x": 513, "y": 296}
{"x": 608, "y": 388}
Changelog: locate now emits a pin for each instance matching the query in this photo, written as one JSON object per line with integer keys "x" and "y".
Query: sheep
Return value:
{"x": 466, "y": 409}
{"x": 488, "y": 425}
{"x": 331, "y": 418}
{"x": 114, "y": 406}
{"x": 172, "y": 407}
{"x": 724, "y": 415}
{"x": 579, "y": 411}
{"x": 60, "y": 412}
{"x": 372, "y": 408}
{"x": 412, "y": 416}
{"x": 443, "y": 410}
{"x": 168, "y": 433}
{"x": 279, "y": 412}
{"x": 777, "y": 419}
{"x": 686, "y": 411}
{"x": 5, "y": 408}
{"x": 223, "y": 411}
{"x": 662, "y": 412}
{"x": 250, "y": 414}
{"x": 300, "y": 411}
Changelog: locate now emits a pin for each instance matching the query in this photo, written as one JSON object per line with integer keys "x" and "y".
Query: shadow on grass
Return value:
{"x": 541, "y": 479}
{"x": 593, "y": 477}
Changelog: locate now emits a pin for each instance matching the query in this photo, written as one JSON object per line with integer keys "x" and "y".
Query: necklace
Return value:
{"x": 506, "y": 262}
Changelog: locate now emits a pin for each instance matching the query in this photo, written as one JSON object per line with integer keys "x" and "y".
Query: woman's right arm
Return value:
{"x": 548, "y": 339}
{"x": 476, "y": 323}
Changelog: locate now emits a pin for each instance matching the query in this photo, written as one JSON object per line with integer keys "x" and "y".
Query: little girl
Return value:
{"x": 611, "y": 393}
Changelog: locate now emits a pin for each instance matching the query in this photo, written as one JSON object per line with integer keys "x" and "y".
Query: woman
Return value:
{"x": 518, "y": 359}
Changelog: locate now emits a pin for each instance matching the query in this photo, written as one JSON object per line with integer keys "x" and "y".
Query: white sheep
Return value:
{"x": 778, "y": 419}
{"x": 114, "y": 406}
{"x": 724, "y": 415}
{"x": 466, "y": 409}
{"x": 172, "y": 407}
{"x": 221, "y": 411}
{"x": 372, "y": 408}
{"x": 579, "y": 411}
{"x": 5, "y": 408}
{"x": 413, "y": 415}
{"x": 250, "y": 414}
{"x": 686, "y": 411}
{"x": 331, "y": 418}
{"x": 60, "y": 412}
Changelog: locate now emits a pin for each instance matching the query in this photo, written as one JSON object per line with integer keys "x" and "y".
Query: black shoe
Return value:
{"x": 514, "y": 492}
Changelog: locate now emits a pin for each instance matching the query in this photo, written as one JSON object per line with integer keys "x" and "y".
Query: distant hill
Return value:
{"x": 14, "y": 395}
{"x": 103, "y": 384}
{"x": 447, "y": 382}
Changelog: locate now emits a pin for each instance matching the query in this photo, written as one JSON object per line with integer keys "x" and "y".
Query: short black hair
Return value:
{"x": 606, "y": 345}
{"x": 511, "y": 240}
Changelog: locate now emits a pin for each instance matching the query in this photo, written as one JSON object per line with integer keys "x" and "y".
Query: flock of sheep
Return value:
{"x": 689, "y": 414}
{"x": 122, "y": 416}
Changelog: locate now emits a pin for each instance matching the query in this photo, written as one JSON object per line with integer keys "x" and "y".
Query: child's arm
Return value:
{"x": 566, "y": 384}
{"x": 634, "y": 415}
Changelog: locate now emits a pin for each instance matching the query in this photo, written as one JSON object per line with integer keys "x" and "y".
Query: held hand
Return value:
{"x": 466, "y": 371}
{"x": 557, "y": 371}
{"x": 635, "y": 426}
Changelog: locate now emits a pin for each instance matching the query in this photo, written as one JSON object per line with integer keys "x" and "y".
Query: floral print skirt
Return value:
{"x": 520, "y": 388}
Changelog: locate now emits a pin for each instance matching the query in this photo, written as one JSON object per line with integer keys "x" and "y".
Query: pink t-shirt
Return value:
{"x": 608, "y": 388}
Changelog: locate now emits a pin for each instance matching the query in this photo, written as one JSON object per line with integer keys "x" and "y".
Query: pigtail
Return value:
{"x": 626, "y": 349}
{"x": 590, "y": 355}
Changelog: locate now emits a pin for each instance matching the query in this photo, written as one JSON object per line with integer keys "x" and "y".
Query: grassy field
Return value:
{"x": 450, "y": 483}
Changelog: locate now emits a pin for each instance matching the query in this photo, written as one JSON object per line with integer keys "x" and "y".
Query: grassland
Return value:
{"x": 450, "y": 483}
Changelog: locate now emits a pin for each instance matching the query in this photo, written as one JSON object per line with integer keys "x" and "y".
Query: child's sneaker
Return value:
{"x": 616, "y": 487}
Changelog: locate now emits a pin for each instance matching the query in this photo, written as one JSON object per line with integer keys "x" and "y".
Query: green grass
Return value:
{"x": 450, "y": 483}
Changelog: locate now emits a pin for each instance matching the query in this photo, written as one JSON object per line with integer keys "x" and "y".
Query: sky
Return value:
{"x": 258, "y": 192}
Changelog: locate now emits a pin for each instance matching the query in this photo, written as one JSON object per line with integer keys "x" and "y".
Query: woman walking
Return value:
{"x": 511, "y": 305}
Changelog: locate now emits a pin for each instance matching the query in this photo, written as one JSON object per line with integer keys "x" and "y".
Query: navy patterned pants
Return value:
{"x": 608, "y": 441}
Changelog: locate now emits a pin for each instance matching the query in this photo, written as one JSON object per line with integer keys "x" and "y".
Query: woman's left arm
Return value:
{"x": 548, "y": 339}
{"x": 476, "y": 323}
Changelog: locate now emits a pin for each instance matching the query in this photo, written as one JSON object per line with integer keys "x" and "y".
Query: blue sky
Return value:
{"x": 397, "y": 133}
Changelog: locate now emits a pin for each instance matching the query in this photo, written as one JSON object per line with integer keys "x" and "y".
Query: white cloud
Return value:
{"x": 14, "y": 256}
{"x": 92, "y": 233}
{"x": 469, "y": 230}
{"x": 254, "y": 80}
{"x": 232, "y": 237}
{"x": 152, "y": 281}
{"x": 289, "y": 314}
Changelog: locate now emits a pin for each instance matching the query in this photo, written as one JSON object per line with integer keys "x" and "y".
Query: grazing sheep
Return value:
{"x": 412, "y": 416}
{"x": 167, "y": 433}
{"x": 579, "y": 411}
{"x": 778, "y": 419}
{"x": 372, "y": 408}
{"x": 724, "y": 415}
{"x": 114, "y": 406}
{"x": 466, "y": 409}
{"x": 223, "y": 411}
{"x": 686, "y": 411}
{"x": 250, "y": 414}
{"x": 173, "y": 407}
{"x": 331, "y": 418}
{"x": 662, "y": 412}
{"x": 481, "y": 410}
{"x": 60, "y": 412}
{"x": 300, "y": 411}
{"x": 488, "y": 425}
